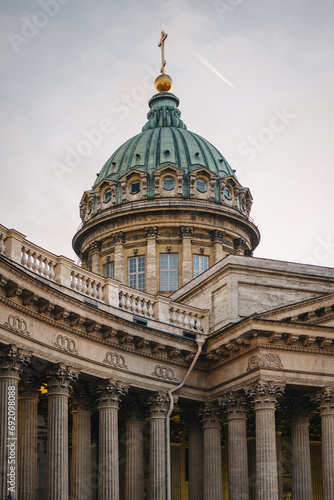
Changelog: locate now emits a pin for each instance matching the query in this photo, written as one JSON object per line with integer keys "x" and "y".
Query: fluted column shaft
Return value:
{"x": 11, "y": 361}
{"x": 27, "y": 443}
{"x": 81, "y": 466}
{"x": 57, "y": 484}
{"x": 108, "y": 404}
{"x": 237, "y": 459}
{"x": 234, "y": 403}
{"x": 195, "y": 461}
{"x": 134, "y": 459}
{"x": 301, "y": 459}
{"x": 158, "y": 410}
{"x": 326, "y": 404}
{"x": 212, "y": 455}
{"x": 108, "y": 454}
{"x": 265, "y": 394}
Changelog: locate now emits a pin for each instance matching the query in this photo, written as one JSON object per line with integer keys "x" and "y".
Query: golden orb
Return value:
{"x": 163, "y": 83}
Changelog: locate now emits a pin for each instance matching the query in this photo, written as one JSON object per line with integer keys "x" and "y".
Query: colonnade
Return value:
{"x": 205, "y": 456}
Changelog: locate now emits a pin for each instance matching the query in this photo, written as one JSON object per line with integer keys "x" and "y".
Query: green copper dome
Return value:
{"x": 164, "y": 140}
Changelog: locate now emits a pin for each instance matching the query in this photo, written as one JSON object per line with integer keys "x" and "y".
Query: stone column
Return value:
{"x": 212, "y": 455}
{"x": 118, "y": 242}
{"x": 195, "y": 460}
{"x": 27, "y": 440}
{"x": 265, "y": 396}
{"x": 58, "y": 386}
{"x": 325, "y": 398}
{"x": 301, "y": 455}
{"x": 151, "y": 260}
{"x": 159, "y": 404}
{"x": 186, "y": 233}
{"x": 109, "y": 395}
{"x": 81, "y": 465}
{"x": 95, "y": 253}
{"x": 217, "y": 241}
{"x": 234, "y": 404}
{"x": 11, "y": 361}
{"x": 134, "y": 453}
{"x": 279, "y": 464}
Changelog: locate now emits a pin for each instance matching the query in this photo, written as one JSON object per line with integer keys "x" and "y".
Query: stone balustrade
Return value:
{"x": 63, "y": 271}
{"x": 136, "y": 302}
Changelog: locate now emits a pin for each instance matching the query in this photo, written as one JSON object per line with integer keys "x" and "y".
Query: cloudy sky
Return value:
{"x": 77, "y": 74}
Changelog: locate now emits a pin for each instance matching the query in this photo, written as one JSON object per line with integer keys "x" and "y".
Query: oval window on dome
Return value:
{"x": 227, "y": 193}
{"x": 201, "y": 186}
{"x": 168, "y": 183}
{"x": 107, "y": 196}
{"x": 135, "y": 187}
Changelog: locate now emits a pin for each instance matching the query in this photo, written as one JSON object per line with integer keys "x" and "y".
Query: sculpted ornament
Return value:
{"x": 116, "y": 360}
{"x": 271, "y": 361}
{"x": 65, "y": 344}
{"x": 17, "y": 325}
{"x": 163, "y": 372}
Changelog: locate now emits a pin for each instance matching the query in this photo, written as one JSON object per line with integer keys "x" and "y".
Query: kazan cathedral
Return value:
{"x": 171, "y": 364}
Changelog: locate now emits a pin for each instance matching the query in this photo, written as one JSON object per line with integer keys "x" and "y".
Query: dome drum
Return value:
{"x": 165, "y": 207}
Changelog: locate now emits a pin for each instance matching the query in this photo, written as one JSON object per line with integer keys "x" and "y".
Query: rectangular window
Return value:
{"x": 200, "y": 264}
{"x": 109, "y": 270}
{"x": 168, "y": 272}
{"x": 137, "y": 272}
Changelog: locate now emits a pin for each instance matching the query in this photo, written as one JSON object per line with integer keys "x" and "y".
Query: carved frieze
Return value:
{"x": 65, "y": 344}
{"x": 265, "y": 361}
{"x": 17, "y": 325}
{"x": 116, "y": 360}
{"x": 164, "y": 372}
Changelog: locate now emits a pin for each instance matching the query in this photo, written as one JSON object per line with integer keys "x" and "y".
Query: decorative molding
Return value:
{"x": 65, "y": 344}
{"x": 151, "y": 232}
{"x": 164, "y": 372}
{"x": 119, "y": 238}
{"x": 17, "y": 325}
{"x": 187, "y": 231}
{"x": 265, "y": 361}
{"x": 115, "y": 359}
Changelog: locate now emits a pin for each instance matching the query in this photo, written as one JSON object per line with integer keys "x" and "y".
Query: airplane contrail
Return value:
{"x": 204, "y": 61}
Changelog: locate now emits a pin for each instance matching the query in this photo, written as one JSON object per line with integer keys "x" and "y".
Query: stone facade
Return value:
{"x": 106, "y": 356}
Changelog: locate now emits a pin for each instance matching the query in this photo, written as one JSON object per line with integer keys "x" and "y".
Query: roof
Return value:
{"x": 164, "y": 140}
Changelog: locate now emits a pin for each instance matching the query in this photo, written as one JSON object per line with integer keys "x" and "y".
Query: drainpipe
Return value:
{"x": 200, "y": 341}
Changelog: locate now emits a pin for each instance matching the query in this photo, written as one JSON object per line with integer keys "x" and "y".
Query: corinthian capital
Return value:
{"x": 158, "y": 404}
{"x": 59, "y": 379}
{"x": 265, "y": 394}
{"x": 151, "y": 232}
{"x": 234, "y": 403}
{"x": 12, "y": 360}
{"x": 110, "y": 393}
{"x": 325, "y": 400}
{"x": 210, "y": 414}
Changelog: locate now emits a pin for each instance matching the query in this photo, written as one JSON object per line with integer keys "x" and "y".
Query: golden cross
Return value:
{"x": 162, "y": 45}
